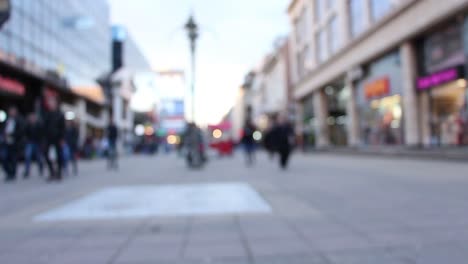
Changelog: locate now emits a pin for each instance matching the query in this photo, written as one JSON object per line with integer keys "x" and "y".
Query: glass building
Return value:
{"x": 66, "y": 39}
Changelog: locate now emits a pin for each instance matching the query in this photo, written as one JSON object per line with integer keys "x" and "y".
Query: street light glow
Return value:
{"x": 70, "y": 115}
{"x": 257, "y": 135}
{"x": 217, "y": 133}
{"x": 3, "y": 116}
{"x": 140, "y": 130}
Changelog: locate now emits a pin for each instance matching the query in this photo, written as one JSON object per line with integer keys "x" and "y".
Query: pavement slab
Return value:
{"x": 325, "y": 209}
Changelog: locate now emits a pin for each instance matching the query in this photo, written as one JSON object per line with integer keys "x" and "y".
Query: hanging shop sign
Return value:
{"x": 12, "y": 86}
{"x": 439, "y": 78}
{"x": 377, "y": 88}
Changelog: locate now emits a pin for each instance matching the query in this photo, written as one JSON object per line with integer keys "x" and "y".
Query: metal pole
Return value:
{"x": 192, "y": 31}
{"x": 193, "y": 50}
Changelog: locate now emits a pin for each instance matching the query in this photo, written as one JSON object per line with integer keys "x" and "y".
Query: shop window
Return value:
{"x": 382, "y": 121}
{"x": 443, "y": 49}
{"x": 337, "y": 99}
{"x": 449, "y": 114}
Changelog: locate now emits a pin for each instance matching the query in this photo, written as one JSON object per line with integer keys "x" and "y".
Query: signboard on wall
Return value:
{"x": 11, "y": 86}
{"x": 439, "y": 78}
{"x": 377, "y": 88}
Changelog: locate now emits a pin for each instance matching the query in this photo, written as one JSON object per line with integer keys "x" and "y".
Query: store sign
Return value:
{"x": 378, "y": 88}
{"x": 438, "y": 78}
{"x": 11, "y": 86}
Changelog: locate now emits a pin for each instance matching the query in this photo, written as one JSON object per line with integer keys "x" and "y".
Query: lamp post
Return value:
{"x": 192, "y": 32}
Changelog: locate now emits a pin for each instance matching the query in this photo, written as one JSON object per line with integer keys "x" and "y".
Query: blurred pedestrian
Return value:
{"x": 248, "y": 142}
{"x": 54, "y": 123}
{"x": 34, "y": 132}
{"x": 283, "y": 138}
{"x": 268, "y": 141}
{"x": 194, "y": 146}
{"x": 112, "y": 137}
{"x": 72, "y": 136}
{"x": 13, "y": 135}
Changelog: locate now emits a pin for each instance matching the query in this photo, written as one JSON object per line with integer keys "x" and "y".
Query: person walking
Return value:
{"x": 112, "y": 137}
{"x": 34, "y": 133}
{"x": 72, "y": 136}
{"x": 248, "y": 142}
{"x": 283, "y": 138}
{"x": 13, "y": 134}
{"x": 54, "y": 122}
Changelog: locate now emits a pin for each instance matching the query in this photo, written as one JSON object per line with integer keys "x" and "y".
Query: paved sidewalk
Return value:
{"x": 459, "y": 154}
{"x": 326, "y": 209}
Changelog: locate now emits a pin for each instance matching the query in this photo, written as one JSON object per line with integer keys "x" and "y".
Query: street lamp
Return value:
{"x": 192, "y": 32}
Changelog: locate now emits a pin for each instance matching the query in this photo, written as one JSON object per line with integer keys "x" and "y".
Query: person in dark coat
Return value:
{"x": 283, "y": 137}
{"x": 248, "y": 141}
{"x": 34, "y": 132}
{"x": 112, "y": 137}
{"x": 54, "y": 123}
{"x": 72, "y": 136}
{"x": 12, "y": 134}
{"x": 268, "y": 140}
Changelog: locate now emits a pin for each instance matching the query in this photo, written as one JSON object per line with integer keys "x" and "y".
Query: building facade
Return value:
{"x": 53, "y": 49}
{"x": 267, "y": 90}
{"x": 380, "y": 72}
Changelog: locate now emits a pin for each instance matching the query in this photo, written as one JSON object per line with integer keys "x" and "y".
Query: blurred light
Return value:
{"x": 140, "y": 130}
{"x": 395, "y": 124}
{"x": 462, "y": 83}
{"x": 69, "y": 115}
{"x": 172, "y": 140}
{"x": 257, "y": 135}
{"x": 217, "y": 133}
{"x": 397, "y": 112}
{"x": 149, "y": 131}
{"x": 3, "y": 116}
{"x": 341, "y": 120}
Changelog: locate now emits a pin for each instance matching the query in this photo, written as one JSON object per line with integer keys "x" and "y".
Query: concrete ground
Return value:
{"x": 325, "y": 209}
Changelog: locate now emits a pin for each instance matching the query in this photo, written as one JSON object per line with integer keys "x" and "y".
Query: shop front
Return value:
{"x": 380, "y": 103}
{"x": 448, "y": 113}
{"x": 442, "y": 86}
{"x": 337, "y": 99}
{"x": 308, "y": 133}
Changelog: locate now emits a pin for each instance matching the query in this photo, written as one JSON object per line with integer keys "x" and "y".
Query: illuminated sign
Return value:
{"x": 438, "y": 78}
{"x": 11, "y": 86}
{"x": 378, "y": 88}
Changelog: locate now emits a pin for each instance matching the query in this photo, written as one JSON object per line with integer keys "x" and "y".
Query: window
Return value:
{"x": 357, "y": 16}
{"x": 322, "y": 49}
{"x": 320, "y": 10}
{"x": 331, "y": 4}
{"x": 381, "y": 7}
{"x": 334, "y": 35}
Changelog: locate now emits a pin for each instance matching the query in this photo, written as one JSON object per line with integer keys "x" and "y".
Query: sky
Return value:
{"x": 235, "y": 36}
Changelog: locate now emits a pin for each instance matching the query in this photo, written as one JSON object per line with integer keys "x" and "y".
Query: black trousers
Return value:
{"x": 10, "y": 163}
{"x": 55, "y": 173}
{"x": 284, "y": 153}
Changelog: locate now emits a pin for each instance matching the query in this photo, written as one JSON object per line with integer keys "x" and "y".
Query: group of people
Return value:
{"x": 278, "y": 139}
{"x": 46, "y": 138}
